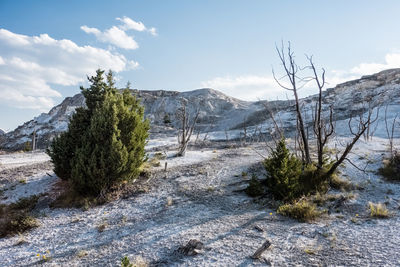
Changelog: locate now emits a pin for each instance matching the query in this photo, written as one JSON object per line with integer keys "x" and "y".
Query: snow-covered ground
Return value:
{"x": 200, "y": 197}
{"x": 13, "y": 160}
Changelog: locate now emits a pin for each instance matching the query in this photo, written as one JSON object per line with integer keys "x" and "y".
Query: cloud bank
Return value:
{"x": 31, "y": 65}
{"x": 255, "y": 87}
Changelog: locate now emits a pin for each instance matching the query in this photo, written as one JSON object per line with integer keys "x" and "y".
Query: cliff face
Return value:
{"x": 219, "y": 112}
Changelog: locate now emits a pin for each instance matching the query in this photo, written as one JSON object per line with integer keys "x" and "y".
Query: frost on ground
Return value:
{"x": 201, "y": 197}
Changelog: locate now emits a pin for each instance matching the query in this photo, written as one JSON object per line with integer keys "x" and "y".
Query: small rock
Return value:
{"x": 192, "y": 248}
{"x": 258, "y": 228}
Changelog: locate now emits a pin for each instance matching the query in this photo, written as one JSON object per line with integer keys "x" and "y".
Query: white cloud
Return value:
{"x": 391, "y": 61}
{"x": 30, "y": 66}
{"x": 153, "y": 31}
{"x": 114, "y": 36}
{"x": 13, "y": 38}
{"x": 246, "y": 87}
{"x": 90, "y": 30}
{"x": 130, "y": 24}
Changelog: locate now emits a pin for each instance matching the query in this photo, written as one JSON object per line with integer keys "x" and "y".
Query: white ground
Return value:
{"x": 207, "y": 205}
{"x": 9, "y": 161}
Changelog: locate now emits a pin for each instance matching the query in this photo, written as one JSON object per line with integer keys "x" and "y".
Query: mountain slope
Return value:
{"x": 219, "y": 112}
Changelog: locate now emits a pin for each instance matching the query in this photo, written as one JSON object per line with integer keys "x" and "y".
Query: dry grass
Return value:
{"x": 339, "y": 183}
{"x": 66, "y": 197}
{"x": 82, "y": 253}
{"x": 321, "y": 199}
{"x": 302, "y": 210}
{"x": 378, "y": 210}
{"x": 16, "y": 217}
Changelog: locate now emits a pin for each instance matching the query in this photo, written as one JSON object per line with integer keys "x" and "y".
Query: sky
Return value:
{"x": 47, "y": 48}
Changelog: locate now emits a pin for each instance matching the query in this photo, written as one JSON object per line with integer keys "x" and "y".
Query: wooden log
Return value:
{"x": 260, "y": 251}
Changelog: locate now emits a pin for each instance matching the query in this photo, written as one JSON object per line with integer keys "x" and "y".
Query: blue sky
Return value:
{"x": 48, "y": 47}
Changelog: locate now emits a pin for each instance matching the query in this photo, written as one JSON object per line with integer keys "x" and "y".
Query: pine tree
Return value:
{"x": 105, "y": 142}
{"x": 284, "y": 171}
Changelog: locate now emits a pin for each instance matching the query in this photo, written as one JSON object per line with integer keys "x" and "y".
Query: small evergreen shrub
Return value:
{"x": 167, "y": 119}
{"x": 302, "y": 210}
{"x": 104, "y": 144}
{"x": 125, "y": 262}
{"x": 284, "y": 171}
{"x": 288, "y": 179}
{"x": 27, "y": 146}
{"x": 255, "y": 187}
{"x": 391, "y": 168}
{"x": 137, "y": 262}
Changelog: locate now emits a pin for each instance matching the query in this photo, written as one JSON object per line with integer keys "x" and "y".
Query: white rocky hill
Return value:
{"x": 219, "y": 112}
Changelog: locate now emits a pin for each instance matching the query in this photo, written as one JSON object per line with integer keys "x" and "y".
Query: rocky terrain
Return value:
{"x": 201, "y": 196}
{"x": 219, "y": 112}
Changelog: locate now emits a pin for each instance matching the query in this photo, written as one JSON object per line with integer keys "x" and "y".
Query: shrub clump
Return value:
{"x": 289, "y": 179}
{"x": 104, "y": 144}
{"x": 378, "y": 210}
{"x": 391, "y": 168}
{"x": 255, "y": 188}
{"x": 284, "y": 171}
{"x": 16, "y": 218}
{"x": 302, "y": 210}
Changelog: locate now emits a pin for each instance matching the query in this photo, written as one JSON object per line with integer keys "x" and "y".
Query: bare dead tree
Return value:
{"x": 187, "y": 127}
{"x": 226, "y": 135}
{"x": 291, "y": 69}
{"x": 323, "y": 126}
{"x": 357, "y": 132}
{"x": 390, "y": 130}
{"x": 277, "y": 129}
{"x": 322, "y": 130}
{"x": 243, "y": 141}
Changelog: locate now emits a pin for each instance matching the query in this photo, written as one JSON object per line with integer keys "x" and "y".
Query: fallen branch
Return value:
{"x": 261, "y": 250}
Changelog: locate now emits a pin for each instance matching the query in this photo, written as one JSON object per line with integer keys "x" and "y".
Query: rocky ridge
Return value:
{"x": 219, "y": 112}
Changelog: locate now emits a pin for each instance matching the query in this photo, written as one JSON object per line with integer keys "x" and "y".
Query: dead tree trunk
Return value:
{"x": 390, "y": 131}
{"x": 322, "y": 130}
{"x": 186, "y": 128}
{"x": 291, "y": 69}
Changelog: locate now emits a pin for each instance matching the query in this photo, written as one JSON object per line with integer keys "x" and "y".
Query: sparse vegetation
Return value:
{"x": 101, "y": 227}
{"x": 73, "y": 199}
{"x": 82, "y": 253}
{"x": 288, "y": 179}
{"x": 167, "y": 119}
{"x": 125, "y": 262}
{"x": 391, "y": 168}
{"x": 339, "y": 183}
{"x": 27, "y": 146}
{"x": 303, "y": 210}
{"x": 378, "y": 210}
{"x": 105, "y": 142}
{"x": 16, "y": 218}
{"x": 284, "y": 170}
{"x": 138, "y": 262}
{"x": 255, "y": 187}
